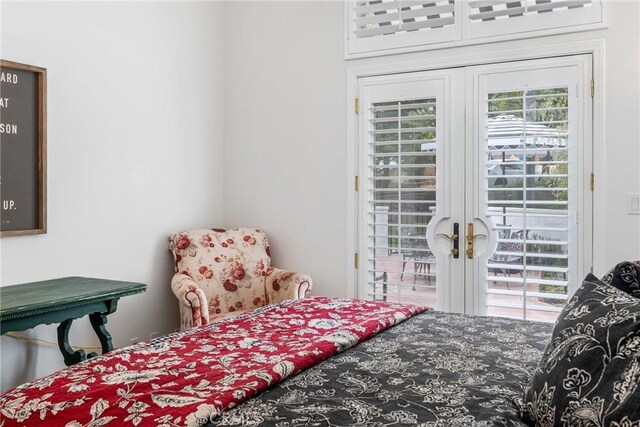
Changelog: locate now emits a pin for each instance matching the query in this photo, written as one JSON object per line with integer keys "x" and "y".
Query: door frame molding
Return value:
{"x": 452, "y": 59}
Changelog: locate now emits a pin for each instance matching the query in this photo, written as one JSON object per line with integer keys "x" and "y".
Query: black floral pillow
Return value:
{"x": 589, "y": 374}
{"x": 626, "y": 277}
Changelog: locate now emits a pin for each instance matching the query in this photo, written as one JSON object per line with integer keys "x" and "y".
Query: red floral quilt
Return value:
{"x": 188, "y": 378}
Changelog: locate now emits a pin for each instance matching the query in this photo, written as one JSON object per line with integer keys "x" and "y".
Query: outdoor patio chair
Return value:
{"x": 511, "y": 246}
{"x": 414, "y": 247}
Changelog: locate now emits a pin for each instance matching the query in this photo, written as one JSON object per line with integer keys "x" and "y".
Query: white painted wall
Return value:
{"x": 135, "y": 106}
{"x": 285, "y": 130}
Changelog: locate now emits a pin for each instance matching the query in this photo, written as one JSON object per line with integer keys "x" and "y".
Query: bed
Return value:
{"x": 359, "y": 363}
{"x": 346, "y": 362}
{"x": 435, "y": 369}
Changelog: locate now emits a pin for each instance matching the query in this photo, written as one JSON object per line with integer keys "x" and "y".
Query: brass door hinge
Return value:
{"x": 593, "y": 87}
{"x": 356, "y": 183}
{"x": 592, "y": 181}
{"x": 355, "y": 260}
{"x": 356, "y": 105}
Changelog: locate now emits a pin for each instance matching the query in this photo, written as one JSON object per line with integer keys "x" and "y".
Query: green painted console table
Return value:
{"x": 61, "y": 301}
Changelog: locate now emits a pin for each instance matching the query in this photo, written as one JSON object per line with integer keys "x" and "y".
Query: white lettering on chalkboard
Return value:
{"x": 8, "y": 205}
{"x": 4, "y": 102}
{"x": 8, "y": 128}
{"x": 8, "y": 77}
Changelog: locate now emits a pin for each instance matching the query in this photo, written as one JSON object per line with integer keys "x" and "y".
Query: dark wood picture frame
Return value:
{"x": 40, "y": 172}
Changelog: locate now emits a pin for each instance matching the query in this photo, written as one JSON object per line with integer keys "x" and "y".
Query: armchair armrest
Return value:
{"x": 194, "y": 309}
{"x": 281, "y": 285}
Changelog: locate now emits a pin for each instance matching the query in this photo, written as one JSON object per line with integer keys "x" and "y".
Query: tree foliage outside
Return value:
{"x": 549, "y": 108}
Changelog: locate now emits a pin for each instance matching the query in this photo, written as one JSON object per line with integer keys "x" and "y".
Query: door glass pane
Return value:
{"x": 527, "y": 172}
{"x": 402, "y": 200}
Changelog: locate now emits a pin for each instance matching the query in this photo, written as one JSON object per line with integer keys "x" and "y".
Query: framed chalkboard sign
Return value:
{"x": 23, "y": 149}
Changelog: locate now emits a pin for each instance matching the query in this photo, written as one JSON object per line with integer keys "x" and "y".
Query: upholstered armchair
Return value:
{"x": 222, "y": 273}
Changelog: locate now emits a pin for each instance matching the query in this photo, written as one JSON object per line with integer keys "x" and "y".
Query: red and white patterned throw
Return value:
{"x": 188, "y": 378}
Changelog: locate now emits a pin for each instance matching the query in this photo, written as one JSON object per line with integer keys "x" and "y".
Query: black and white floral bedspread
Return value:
{"x": 435, "y": 369}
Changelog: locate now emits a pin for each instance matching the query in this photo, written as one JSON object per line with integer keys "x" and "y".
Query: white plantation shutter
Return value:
{"x": 529, "y": 174}
{"x": 385, "y": 26}
{"x": 487, "y": 10}
{"x": 496, "y": 17}
{"x": 401, "y": 200}
{"x": 394, "y": 17}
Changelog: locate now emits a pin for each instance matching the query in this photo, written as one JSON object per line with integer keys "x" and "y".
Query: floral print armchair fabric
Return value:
{"x": 221, "y": 273}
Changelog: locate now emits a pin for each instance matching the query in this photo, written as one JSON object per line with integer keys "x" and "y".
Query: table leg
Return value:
{"x": 71, "y": 356}
{"x": 98, "y": 321}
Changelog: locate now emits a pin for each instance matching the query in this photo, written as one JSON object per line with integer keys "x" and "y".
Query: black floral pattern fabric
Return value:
{"x": 590, "y": 372}
{"x": 626, "y": 277}
{"x": 435, "y": 369}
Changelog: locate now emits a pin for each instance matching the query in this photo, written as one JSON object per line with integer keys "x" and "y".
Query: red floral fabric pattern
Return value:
{"x": 188, "y": 378}
{"x": 227, "y": 270}
{"x": 194, "y": 309}
{"x": 281, "y": 285}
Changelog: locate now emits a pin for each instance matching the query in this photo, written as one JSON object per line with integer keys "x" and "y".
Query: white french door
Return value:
{"x": 407, "y": 127}
{"x": 474, "y": 193}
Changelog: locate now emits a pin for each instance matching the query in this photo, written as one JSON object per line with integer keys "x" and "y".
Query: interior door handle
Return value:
{"x": 455, "y": 249}
{"x": 471, "y": 238}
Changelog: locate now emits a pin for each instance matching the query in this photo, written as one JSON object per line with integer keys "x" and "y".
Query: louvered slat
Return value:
{"x": 393, "y": 106}
{"x": 520, "y": 293}
{"x": 401, "y": 142}
{"x": 364, "y": 7}
{"x": 403, "y": 130}
{"x": 496, "y": 13}
{"x": 529, "y": 307}
{"x": 405, "y": 118}
{"x": 547, "y": 6}
{"x": 409, "y": 166}
{"x": 408, "y": 26}
{"x": 487, "y": 3}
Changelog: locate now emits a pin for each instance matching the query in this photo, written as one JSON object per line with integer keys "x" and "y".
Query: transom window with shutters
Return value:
{"x": 376, "y": 27}
{"x": 486, "y": 211}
